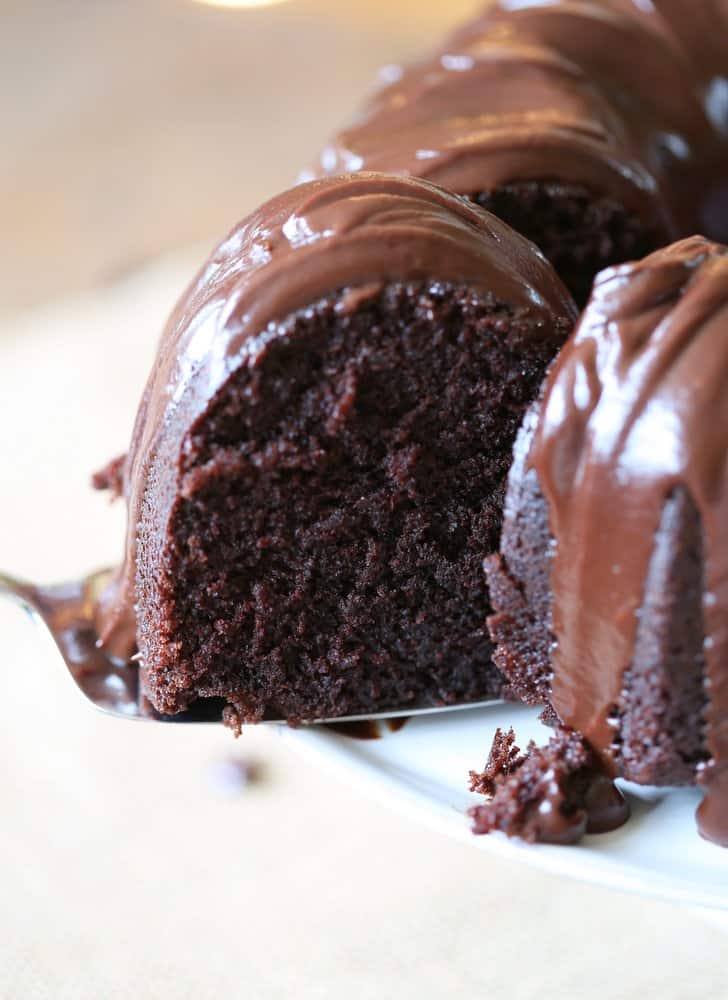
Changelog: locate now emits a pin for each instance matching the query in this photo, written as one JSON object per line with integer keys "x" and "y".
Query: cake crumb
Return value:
{"x": 552, "y": 794}
{"x": 111, "y": 477}
{"x": 504, "y": 758}
{"x": 232, "y": 720}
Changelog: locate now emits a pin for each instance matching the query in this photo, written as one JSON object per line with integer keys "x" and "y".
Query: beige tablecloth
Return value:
{"x": 132, "y": 864}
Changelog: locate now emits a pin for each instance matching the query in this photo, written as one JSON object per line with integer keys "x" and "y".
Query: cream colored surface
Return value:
{"x": 126, "y": 873}
{"x": 129, "y": 128}
{"x": 133, "y": 127}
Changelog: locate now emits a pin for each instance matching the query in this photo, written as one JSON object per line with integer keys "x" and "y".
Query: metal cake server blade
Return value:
{"x": 64, "y": 613}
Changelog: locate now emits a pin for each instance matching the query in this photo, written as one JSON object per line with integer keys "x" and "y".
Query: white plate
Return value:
{"x": 423, "y": 769}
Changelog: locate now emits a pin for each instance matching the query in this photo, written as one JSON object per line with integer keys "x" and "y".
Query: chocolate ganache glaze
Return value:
{"x": 612, "y": 96}
{"x": 349, "y": 232}
{"x": 635, "y": 412}
{"x": 663, "y": 64}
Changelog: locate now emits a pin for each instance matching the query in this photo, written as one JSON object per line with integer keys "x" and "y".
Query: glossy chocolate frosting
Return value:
{"x": 605, "y": 95}
{"x": 330, "y": 237}
{"x": 635, "y": 408}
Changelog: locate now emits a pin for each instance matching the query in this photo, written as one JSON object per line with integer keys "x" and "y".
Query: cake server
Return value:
{"x": 64, "y": 613}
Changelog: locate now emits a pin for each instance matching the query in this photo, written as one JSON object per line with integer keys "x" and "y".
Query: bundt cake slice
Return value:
{"x": 610, "y": 592}
{"x": 319, "y": 461}
{"x": 581, "y": 124}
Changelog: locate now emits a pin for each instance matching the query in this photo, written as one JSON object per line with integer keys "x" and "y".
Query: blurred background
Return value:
{"x": 143, "y": 863}
{"x": 135, "y": 126}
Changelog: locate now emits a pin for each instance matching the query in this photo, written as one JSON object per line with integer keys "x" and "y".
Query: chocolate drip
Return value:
{"x": 368, "y": 729}
{"x": 635, "y": 412}
{"x": 68, "y": 611}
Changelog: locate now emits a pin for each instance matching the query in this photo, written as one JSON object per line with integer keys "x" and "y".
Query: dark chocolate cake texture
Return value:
{"x": 318, "y": 465}
{"x": 596, "y": 129}
{"x": 611, "y": 589}
{"x": 552, "y": 794}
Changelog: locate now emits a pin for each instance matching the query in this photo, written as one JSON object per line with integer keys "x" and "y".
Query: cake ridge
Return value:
{"x": 626, "y": 456}
{"x": 257, "y": 423}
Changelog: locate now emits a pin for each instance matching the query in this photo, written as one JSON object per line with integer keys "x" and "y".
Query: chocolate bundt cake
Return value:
{"x": 318, "y": 465}
{"x": 610, "y": 593}
{"x": 582, "y": 124}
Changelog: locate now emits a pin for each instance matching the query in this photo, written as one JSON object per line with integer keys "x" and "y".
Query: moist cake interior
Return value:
{"x": 336, "y": 500}
{"x": 580, "y": 233}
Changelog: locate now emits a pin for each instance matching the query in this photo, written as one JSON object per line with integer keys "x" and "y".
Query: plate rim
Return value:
{"x": 338, "y": 753}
